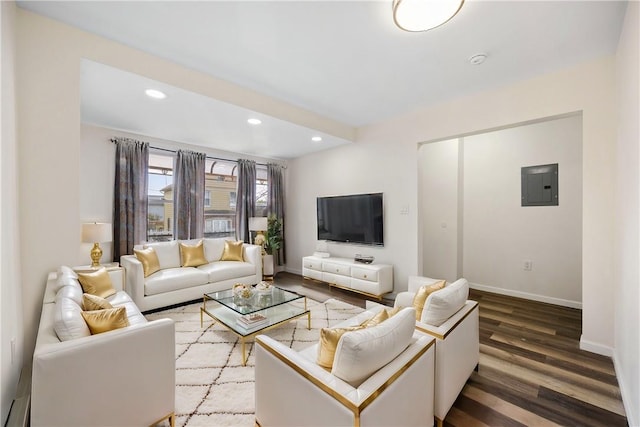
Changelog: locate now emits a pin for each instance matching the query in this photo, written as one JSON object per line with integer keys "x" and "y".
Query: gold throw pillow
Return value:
{"x": 93, "y": 302}
{"x": 97, "y": 283}
{"x": 421, "y": 296}
{"x": 232, "y": 251}
{"x": 192, "y": 255}
{"x": 329, "y": 338}
{"x": 376, "y": 320}
{"x": 394, "y": 311}
{"x": 149, "y": 260}
{"x": 100, "y": 321}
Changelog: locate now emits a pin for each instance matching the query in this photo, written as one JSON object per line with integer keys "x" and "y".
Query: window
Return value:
{"x": 219, "y": 206}
{"x": 159, "y": 198}
{"x": 219, "y": 197}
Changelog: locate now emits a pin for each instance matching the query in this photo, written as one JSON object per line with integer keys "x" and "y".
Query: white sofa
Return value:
{"x": 457, "y": 336}
{"x": 291, "y": 389}
{"x": 175, "y": 284}
{"x": 124, "y": 377}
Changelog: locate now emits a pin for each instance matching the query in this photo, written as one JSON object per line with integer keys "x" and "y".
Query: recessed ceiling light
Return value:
{"x": 153, "y": 93}
{"x": 254, "y": 121}
{"x": 316, "y": 139}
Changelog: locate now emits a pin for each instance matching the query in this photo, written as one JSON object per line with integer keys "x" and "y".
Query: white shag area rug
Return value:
{"x": 212, "y": 386}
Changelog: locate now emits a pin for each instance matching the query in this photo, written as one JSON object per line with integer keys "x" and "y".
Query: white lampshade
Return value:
{"x": 96, "y": 232}
{"x": 258, "y": 223}
{"x": 423, "y": 15}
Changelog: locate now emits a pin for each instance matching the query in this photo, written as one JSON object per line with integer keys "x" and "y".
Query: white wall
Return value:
{"x": 499, "y": 234}
{"x": 438, "y": 195}
{"x": 627, "y": 234}
{"x": 10, "y": 285}
{"x": 385, "y": 158}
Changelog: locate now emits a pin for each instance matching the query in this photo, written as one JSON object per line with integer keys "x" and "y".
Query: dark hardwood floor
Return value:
{"x": 531, "y": 372}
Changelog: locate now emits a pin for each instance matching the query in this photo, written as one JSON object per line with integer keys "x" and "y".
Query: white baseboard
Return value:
{"x": 526, "y": 295}
{"x": 633, "y": 419}
{"x": 595, "y": 347}
{"x": 293, "y": 271}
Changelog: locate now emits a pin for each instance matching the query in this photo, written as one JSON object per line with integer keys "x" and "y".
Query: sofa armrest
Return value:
{"x": 457, "y": 354}
{"x": 121, "y": 377}
{"x": 289, "y": 388}
{"x": 134, "y": 277}
{"x": 404, "y": 299}
{"x": 253, "y": 255}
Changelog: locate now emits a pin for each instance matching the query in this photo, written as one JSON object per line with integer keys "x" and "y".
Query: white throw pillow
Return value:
{"x": 168, "y": 253}
{"x": 361, "y": 353}
{"x": 443, "y": 304}
{"x": 68, "y": 322}
{"x": 213, "y": 249}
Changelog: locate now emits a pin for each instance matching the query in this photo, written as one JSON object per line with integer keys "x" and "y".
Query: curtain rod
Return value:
{"x": 208, "y": 157}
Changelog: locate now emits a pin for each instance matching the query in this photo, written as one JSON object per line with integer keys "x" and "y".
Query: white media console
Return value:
{"x": 373, "y": 280}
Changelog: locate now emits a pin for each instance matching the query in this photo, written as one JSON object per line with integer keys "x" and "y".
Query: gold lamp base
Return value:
{"x": 96, "y": 254}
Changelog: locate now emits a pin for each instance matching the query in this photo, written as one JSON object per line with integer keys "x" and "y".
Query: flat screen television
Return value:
{"x": 356, "y": 218}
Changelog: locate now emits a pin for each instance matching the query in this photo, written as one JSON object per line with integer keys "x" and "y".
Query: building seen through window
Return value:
{"x": 219, "y": 198}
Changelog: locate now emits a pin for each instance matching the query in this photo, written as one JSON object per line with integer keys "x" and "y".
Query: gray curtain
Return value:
{"x": 245, "y": 198}
{"x": 130, "y": 195}
{"x": 188, "y": 195}
{"x": 275, "y": 204}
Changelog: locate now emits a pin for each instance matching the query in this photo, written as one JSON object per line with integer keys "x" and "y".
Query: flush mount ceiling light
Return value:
{"x": 156, "y": 94}
{"x": 423, "y": 15}
{"x": 316, "y": 139}
{"x": 254, "y": 121}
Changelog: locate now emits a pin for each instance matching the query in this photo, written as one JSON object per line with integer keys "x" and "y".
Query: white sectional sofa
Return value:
{"x": 376, "y": 373}
{"x": 175, "y": 284}
{"x": 123, "y": 377}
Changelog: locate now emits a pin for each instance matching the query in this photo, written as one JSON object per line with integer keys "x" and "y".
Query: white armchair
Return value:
{"x": 292, "y": 390}
{"x": 457, "y": 339}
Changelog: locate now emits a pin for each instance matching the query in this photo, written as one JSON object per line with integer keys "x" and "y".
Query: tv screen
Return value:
{"x": 354, "y": 219}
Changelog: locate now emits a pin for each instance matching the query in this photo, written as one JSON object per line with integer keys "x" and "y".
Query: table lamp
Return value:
{"x": 96, "y": 233}
{"x": 259, "y": 224}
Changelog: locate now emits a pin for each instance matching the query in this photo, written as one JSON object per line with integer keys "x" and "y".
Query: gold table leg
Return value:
{"x": 244, "y": 353}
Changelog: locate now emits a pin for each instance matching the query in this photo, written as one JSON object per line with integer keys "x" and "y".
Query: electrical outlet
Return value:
{"x": 527, "y": 265}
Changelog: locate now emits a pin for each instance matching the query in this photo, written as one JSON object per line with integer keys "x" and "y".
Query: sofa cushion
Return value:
{"x": 97, "y": 283}
{"x": 73, "y": 291}
{"x": 149, "y": 260}
{"x": 442, "y": 304}
{"x": 232, "y": 251}
{"x": 225, "y": 270}
{"x": 171, "y": 279}
{"x": 361, "y": 353}
{"x": 213, "y": 248}
{"x": 168, "y": 253}
{"x": 192, "y": 255}
{"x": 67, "y": 321}
{"x": 423, "y": 293}
{"x": 106, "y": 320}
{"x": 93, "y": 302}
{"x": 122, "y": 299}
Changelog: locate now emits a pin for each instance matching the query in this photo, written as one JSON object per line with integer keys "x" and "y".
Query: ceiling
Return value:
{"x": 344, "y": 60}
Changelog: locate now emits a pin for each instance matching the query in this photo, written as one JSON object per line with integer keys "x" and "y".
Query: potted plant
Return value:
{"x": 272, "y": 244}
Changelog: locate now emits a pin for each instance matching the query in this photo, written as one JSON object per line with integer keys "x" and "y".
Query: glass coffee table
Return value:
{"x": 263, "y": 311}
